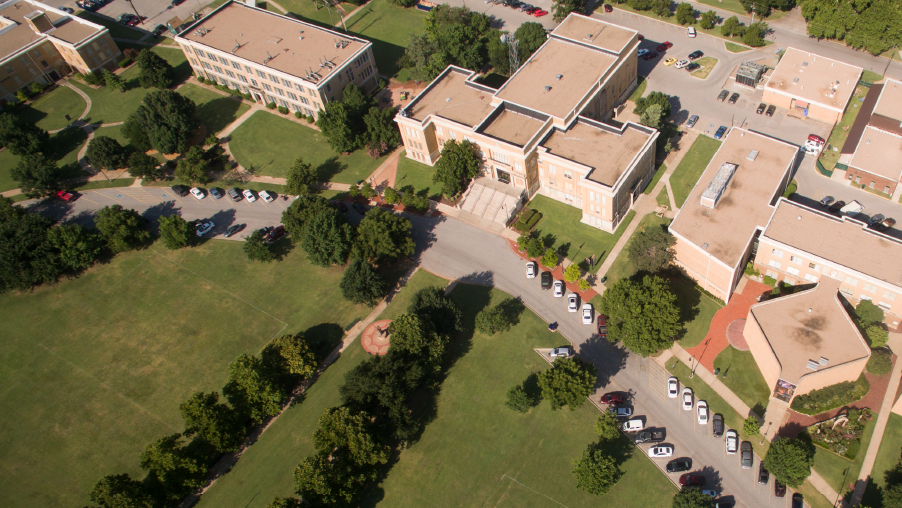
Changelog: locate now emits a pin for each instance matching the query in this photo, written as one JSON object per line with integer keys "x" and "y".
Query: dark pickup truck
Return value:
{"x": 650, "y": 436}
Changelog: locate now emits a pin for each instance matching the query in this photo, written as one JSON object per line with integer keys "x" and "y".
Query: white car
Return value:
{"x": 249, "y": 194}
{"x": 558, "y": 288}
{"x": 661, "y": 451}
{"x": 267, "y": 196}
{"x": 691, "y": 32}
{"x": 642, "y": 52}
{"x": 530, "y": 270}
{"x": 588, "y": 314}
{"x": 633, "y": 425}
{"x": 681, "y": 64}
{"x": 673, "y": 387}
{"x": 732, "y": 441}
{"x": 687, "y": 399}
{"x": 203, "y": 228}
{"x": 701, "y": 408}
{"x": 561, "y": 352}
{"x": 199, "y": 194}
{"x": 572, "y": 302}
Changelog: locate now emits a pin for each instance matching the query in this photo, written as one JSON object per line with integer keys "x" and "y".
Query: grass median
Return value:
{"x": 691, "y": 167}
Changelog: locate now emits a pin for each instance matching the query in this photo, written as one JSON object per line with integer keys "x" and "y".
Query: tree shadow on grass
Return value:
{"x": 609, "y": 358}
{"x": 512, "y": 308}
{"x": 323, "y": 338}
{"x": 328, "y": 169}
{"x": 218, "y": 113}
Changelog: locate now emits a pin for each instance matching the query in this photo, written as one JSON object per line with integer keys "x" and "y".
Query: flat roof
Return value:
{"x": 847, "y": 243}
{"x": 812, "y": 78}
{"x": 451, "y": 96}
{"x": 861, "y": 121}
{"x": 512, "y": 124}
{"x": 879, "y": 153}
{"x": 580, "y": 68}
{"x": 68, "y": 28}
{"x": 889, "y": 104}
{"x": 746, "y": 204}
{"x": 595, "y": 32}
{"x": 275, "y": 41}
{"x": 606, "y": 149}
{"x": 808, "y": 326}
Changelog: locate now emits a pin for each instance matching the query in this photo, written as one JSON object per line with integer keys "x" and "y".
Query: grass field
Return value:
{"x": 271, "y": 144}
{"x": 841, "y": 129}
{"x": 389, "y": 27}
{"x": 662, "y": 168}
{"x": 561, "y": 228}
{"x": 215, "y": 111}
{"x": 49, "y": 111}
{"x": 95, "y": 367}
{"x": 411, "y": 172}
{"x": 707, "y": 64}
{"x": 736, "y": 6}
{"x": 736, "y": 48}
{"x": 839, "y": 471}
{"x": 887, "y": 457}
{"x": 622, "y": 267}
{"x": 696, "y": 311}
{"x": 871, "y": 76}
{"x": 690, "y": 169}
{"x": 739, "y": 371}
{"x": 641, "y": 84}
{"x": 62, "y": 147}
{"x": 663, "y": 198}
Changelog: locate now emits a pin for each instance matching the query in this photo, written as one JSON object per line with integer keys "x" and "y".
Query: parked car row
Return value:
{"x": 587, "y": 312}
{"x": 91, "y": 5}
{"x": 234, "y": 193}
{"x": 522, "y": 7}
{"x": 765, "y": 109}
{"x": 878, "y": 222}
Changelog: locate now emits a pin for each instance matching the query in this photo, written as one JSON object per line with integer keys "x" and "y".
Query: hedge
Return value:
{"x": 528, "y": 219}
{"x": 830, "y": 397}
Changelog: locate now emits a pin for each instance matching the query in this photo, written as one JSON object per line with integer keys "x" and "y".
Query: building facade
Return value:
{"x": 41, "y": 43}
{"x": 277, "y": 59}
{"x": 547, "y": 129}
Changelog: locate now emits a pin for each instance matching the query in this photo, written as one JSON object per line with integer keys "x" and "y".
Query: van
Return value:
{"x": 235, "y": 194}
{"x": 633, "y": 425}
{"x": 691, "y": 31}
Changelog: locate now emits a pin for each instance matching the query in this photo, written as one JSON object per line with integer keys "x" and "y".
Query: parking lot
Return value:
{"x": 158, "y": 12}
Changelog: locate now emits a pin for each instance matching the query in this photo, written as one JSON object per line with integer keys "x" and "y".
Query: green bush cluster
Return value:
{"x": 830, "y": 397}
{"x": 271, "y": 105}
{"x": 125, "y": 62}
{"x": 528, "y": 219}
{"x": 297, "y": 114}
{"x": 880, "y": 363}
{"x": 283, "y": 110}
{"x": 310, "y": 119}
{"x": 770, "y": 281}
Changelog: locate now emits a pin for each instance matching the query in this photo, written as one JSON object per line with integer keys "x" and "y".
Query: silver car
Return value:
{"x": 732, "y": 442}
{"x": 561, "y": 352}
{"x": 692, "y": 121}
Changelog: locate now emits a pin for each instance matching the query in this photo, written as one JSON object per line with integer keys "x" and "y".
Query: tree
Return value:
{"x": 134, "y": 132}
{"x": 873, "y": 26}
{"x": 730, "y": 26}
{"x": 336, "y": 124}
{"x": 550, "y": 258}
{"x": 251, "y": 391}
{"x": 560, "y": 9}
{"x": 754, "y": 34}
{"x": 751, "y": 426}
{"x": 320, "y": 480}
{"x": 193, "y": 168}
{"x": 692, "y": 497}
{"x": 300, "y": 211}
{"x": 652, "y": 116}
{"x": 38, "y": 175}
{"x": 530, "y": 37}
{"x": 123, "y": 229}
{"x": 607, "y": 426}
{"x": 518, "y": 399}
{"x": 258, "y": 250}
{"x": 685, "y": 13}
{"x": 458, "y": 163}
{"x": 492, "y": 320}
{"x": 411, "y": 334}
{"x": 361, "y": 283}
{"x": 301, "y": 178}
{"x": 651, "y": 249}
{"x": 643, "y": 314}
{"x": 27, "y": 258}
{"x": 453, "y": 36}
{"x": 327, "y": 238}
{"x": 175, "y": 232}
{"x": 288, "y": 360}
{"x": 141, "y": 165}
{"x": 880, "y": 363}
{"x": 349, "y": 436}
{"x": 789, "y": 460}
{"x": 534, "y": 247}
{"x": 121, "y": 491}
{"x": 567, "y": 383}
{"x": 432, "y": 304}
{"x": 383, "y": 236}
{"x": 176, "y": 469}
{"x": 659, "y": 98}
{"x": 382, "y": 135}
{"x": 114, "y": 81}
{"x": 661, "y": 8}
{"x": 572, "y": 273}
{"x": 212, "y": 422}
{"x": 869, "y": 314}
{"x": 285, "y": 502}
{"x": 20, "y": 137}
{"x": 708, "y": 20}
{"x": 391, "y": 196}
{"x": 583, "y": 284}
{"x": 105, "y": 153}
{"x": 78, "y": 247}
{"x": 155, "y": 70}
{"x": 167, "y": 118}
{"x": 596, "y": 471}
{"x": 892, "y": 496}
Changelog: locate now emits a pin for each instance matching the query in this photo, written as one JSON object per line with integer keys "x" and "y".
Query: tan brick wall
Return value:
{"x": 779, "y": 100}
{"x": 704, "y": 269}
{"x": 822, "y": 378}
{"x": 762, "y": 352}
{"x": 882, "y": 184}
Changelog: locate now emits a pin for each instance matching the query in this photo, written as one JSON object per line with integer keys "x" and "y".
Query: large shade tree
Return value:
{"x": 459, "y": 162}
{"x": 643, "y": 314}
{"x": 167, "y": 119}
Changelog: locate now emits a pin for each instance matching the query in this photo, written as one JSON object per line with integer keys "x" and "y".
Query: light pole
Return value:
{"x": 140, "y": 19}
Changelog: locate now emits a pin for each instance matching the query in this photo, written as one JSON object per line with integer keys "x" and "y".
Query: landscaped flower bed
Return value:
{"x": 842, "y": 434}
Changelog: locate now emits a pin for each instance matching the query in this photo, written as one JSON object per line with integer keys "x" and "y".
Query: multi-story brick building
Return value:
{"x": 543, "y": 131}
{"x": 277, "y": 59}
{"x": 41, "y": 43}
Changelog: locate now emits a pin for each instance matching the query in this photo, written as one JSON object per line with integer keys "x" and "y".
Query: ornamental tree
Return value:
{"x": 383, "y": 237}
{"x": 708, "y": 20}
{"x": 251, "y": 391}
{"x": 213, "y": 422}
{"x": 361, "y": 283}
{"x": 175, "y": 232}
{"x": 123, "y": 229}
{"x": 141, "y": 165}
{"x": 685, "y": 13}
{"x": 560, "y": 9}
{"x": 644, "y": 314}
{"x": 459, "y": 162}
{"x": 78, "y": 247}
{"x": 789, "y": 460}
{"x": 20, "y": 137}
{"x": 327, "y": 238}
{"x": 38, "y": 175}
{"x": 121, "y": 491}
{"x": 596, "y": 471}
{"x": 301, "y": 178}
{"x": 607, "y": 426}
{"x": 567, "y": 383}
{"x": 433, "y": 305}
{"x": 692, "y": 497}
{"x": 258, "y": 250}
{"x": 650, "y": 249}
{"x": 167, "y": 118}
{"x": 412, "y": 334}
{"x": 155, "y": 70}
{"x": 288, "y": 360}
{"x": 302, "y": 209}
{"x": 178, "y": 470}
{"x": 105, "y": 153}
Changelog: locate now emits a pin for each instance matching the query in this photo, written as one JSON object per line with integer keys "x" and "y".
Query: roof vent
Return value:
{"x": 752, "y": 155}
{"x": 795, "y": 80}
{"x": 559, "y": 76}
{"x": 547, "y": 89}
{"x": 705, "y": 246}
{"x": 812, "y": 365}
{"x": 804, "y": 64}
{"x": 711, "y": 195}
{"x": 448, "y": 99}
{"x": 823, "y": 361}
{"x": 868, "y": 142}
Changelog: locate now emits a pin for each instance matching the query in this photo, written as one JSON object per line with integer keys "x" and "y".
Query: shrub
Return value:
{"x": 201, "y": 79}
{"x": 751, "y": 426}
{"x": 271, "y": 105}
{"x": 550, "y": 258}
{"x": 830, "y": 397}
{"x": 130, "y": 53}
{"x": 518, "y": 399}
{"x": 412, "y": 201}
{"x": 770, "y": 281}
{"x": 37, "y": 88}
{"x": 572, "y": 274}
{"x": 309, "y": 118}
{"x": 583, "y": 285}
{"x": 391, "y": 196}
{"x": 522, "y": 241}
{"x": 247, "y": 97}
{"x": 22, "y": 94}
{"x": 527, "y": 220}
{"x": 880, "y": 363}
{"x": 297, "y": 114}
{"x": 94, "y": 78}
{"x": 791, "y": 189}
{"x": 534, "y": 247}
{"x": 125, "y": 62}
{"x": 283, "y": 110}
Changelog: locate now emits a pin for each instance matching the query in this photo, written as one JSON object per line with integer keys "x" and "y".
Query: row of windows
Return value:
{"x": 262, "y": 75}
{"x": 270, "y": 98}
{"x": 849, "y": 281}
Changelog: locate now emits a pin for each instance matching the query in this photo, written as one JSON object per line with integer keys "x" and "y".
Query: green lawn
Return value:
{"x": 871, "y": 77}
{"x": 49, "y": 111}
{"x": 271, "y": 144}
{"x": 63, "y": 147}
{"x": 707, "y": 64}
{"x": 411, "y": 172}
{"x": 841, "y": 129}
{"x": 736, "y": 6}
{"x": 307, "y": 10}
{"x": 561, "y": 228}
{"x": 663, "y": 198}
{"x": 736, "y": 48}
{"x": 95, "y": 367}
{"x": 215, "y": 111}
{"x": 696, "y": 310}
{"x": 641, "y": 84}
{"x": 389, "y": 27}
{"x": 739, "y": 371}
{"x": 690, "y": 169}
{"x": 833, "y": 468}
{"x": 622, "y": 267}
{"x": 117, "y": 31}
{"x": 887, "y": 457}
{"x": 654, "y": 179}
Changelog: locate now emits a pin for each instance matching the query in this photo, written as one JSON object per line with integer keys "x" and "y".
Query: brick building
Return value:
{"x": 277, "y": 59}
{"x": 547, "y": 130}
{"x": 41, "y": 43}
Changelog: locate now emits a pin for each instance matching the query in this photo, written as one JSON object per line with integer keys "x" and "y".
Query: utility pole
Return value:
{"x": 513, "y": 54}
{"x": 140, "y": 19}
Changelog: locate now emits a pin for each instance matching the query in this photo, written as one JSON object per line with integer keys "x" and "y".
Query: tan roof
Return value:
{"x": 845, "y": 242}
{"x": 880, "y": 153}
{"x": 580, "y": 68}
{"x": 72, "y": 31}
{"x": 606, "y": 149}
{"x": 745, "y": 205}
{"x": 68, "y": 28}
{"x": 284, "y": 44}
{"x": 808, "y": 326}
{"x": 595, "y": 32}
{"x": 515, "y": 127}
{"x": 890, "y": 102}
{"x": 451, "y": 97}
{"x": 817, "y": 76}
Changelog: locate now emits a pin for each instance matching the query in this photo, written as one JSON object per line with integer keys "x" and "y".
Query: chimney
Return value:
{"x": 39, "y": 22}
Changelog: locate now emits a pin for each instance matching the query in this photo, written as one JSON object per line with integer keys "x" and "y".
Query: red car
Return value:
{"x": 602, "y": 326}
{"x": 612, "y": 398}
{"x": 650, "y": 55}
{"x": 539, "y": 13}
{"x": 692, "y": 480}
{"x": 608, "y": 8}
{"x": 641, "y": 37}
{"x": 817, "y": 139}
{"x": 665, "y": 46}
{"x": 68, "y": 197}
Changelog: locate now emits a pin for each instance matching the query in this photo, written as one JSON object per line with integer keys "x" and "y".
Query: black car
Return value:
{"x": 695, "y": 55}
{"x": 836, "y": 206}
{"x": 177, "y": 2}
{"x": 546, "y": 280}
{"x": 797, "y": 501}
{"x": 718, "y": 424}
{"x": 761, "y": 108}
{"x": 692, "y": 67}
{"x": 181, "y": 190}
{"x": 722, "y": 96}
{"x": 265, "y": 231}
{"x": 158, "y": 30}
{"x": 340, "y": 206}
{"x": 233, "y": 229}
{"x": 679, "y": 465}
{"x": 734, "y": 98}
{"x": 770, "y": 110}
{"x": 779, "y": 489}
{"x": 361, "y": 208}
{"x": 763, "y": 474}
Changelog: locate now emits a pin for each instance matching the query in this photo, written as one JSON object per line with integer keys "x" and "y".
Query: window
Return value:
{"x": 796, "y": 260}
{"x": 286, "y": 83}
{"x": 312, "y": 92}
{"x": 452, "y": 135}
{"x": 242, "y": 78}
{"x": 274, "y": 79}
{"x": 101, "y": 41}
{"x": 551, "y": 181}
{"x": 811, "y": 278}
{"x": 36, "y": 53}
{"x": 792, "y": 271}
{"x": 851, "y": 281}
{"x": 211, "y": 56}
{"x": 292, "y": 95}
{"x": 236, "y": 65}
{"x": 283, "y": 103}
{"x": 591, "y": 196}
{"x": 261, "y": 74}
{"x": 267, "y": 87}
{"x": 299, "y": 87}
{"x": 280, "y": 92}
{"x": 248, "y": 69}
{"x": 886, "y": 189}
{"x": 328, "y": 88}
{"x": 772, "y": 274}
{"x": 865, "y": 297}
{"x": 889, "y": 295}
{"x": 870, "y": 288}
{"x": 814, "y": 266}
{"x": 207, "y": 65}
{"x": 871, "y": 185}
{"x": 350, "y": 73}
{"x": 858, "y": 179}
{"x": 552, "y": 169}
{"x": 9, "y": 69}
{"x": 777, "y": 253}
{"x": 774, "y": 264}
{"x": 230, "y": 74}
{"x": 884, "y": 305}
{"x": 501, "y": 157}
{"x": 96, "y": 60}
{"x": 193, "y": 62}
{"x": 568, "y": 175}
{"x": 304, "y": 100}
{"x": 846, "y": 291}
